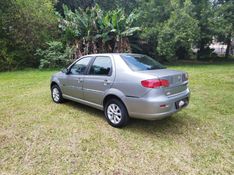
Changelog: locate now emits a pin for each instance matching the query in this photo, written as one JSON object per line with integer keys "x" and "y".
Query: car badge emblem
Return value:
{"x": 168, "y": 93}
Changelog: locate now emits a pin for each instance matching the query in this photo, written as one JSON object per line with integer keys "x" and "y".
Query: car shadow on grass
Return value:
{"x": 178, "y": 123}
{"x": 85, "y": 109}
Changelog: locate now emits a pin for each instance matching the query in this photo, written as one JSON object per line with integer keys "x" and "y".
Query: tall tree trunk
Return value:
{"x": 94, "y": 47}
{"x": 121, "y": 48}
{"x": 78, "y": 52}
{"x": 201, "y": 50}
{"x": 86, "y": 46}
{"x": 126, "y": 45}
{"x": 117, "y": 43}
{"x": 228, "y": 46}
{"x": 109, "y": 48}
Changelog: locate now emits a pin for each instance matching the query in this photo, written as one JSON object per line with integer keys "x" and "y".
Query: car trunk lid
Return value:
{"x": 177, "y": 80}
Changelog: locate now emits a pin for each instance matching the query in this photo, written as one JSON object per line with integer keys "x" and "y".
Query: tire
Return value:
{"x": 116, "y": 113}
{"x": 56, "y": 94}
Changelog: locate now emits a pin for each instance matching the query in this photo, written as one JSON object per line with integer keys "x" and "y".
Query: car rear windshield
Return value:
{"x": 141, "y": 62}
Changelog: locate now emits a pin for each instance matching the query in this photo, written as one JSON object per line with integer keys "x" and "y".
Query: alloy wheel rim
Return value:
{"x": 56, "y": 94}
{"x": 114, "y": 113}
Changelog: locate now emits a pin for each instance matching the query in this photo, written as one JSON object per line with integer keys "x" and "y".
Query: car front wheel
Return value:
{"x": 116, "y": 113}
{"x": 56, "y": 94}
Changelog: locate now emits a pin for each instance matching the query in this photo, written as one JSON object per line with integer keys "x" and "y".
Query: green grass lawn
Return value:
{"x": 38, "y": 136}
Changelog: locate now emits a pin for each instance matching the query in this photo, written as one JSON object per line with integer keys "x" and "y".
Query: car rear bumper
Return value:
{"x": 155, "y": 108}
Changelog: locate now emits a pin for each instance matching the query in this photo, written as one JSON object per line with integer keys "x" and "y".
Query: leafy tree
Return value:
{"x": 92, "y": 30}
{"x": 169, "y": 27}
{"x": 203, "y": 13}
{"x": 106, "y": 5}
{"x": 151, "y": 18}
{"x": 25, "y": 26}
{"x": 121, "y": 29}
{"x": 10, "y": 52}
{"x": 72, "y": 4}
{"x": 80, "y": 28}
{"x": 179, "y": 32}
{"x": 224, "y": 20}
{"x": 55, "y": 56}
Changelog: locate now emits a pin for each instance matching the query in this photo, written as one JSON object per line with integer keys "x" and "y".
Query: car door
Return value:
{"x": 73, "y": 81}
{"x": 100, "y": 78}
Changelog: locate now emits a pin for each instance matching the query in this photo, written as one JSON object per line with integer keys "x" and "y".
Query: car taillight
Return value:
{"x": 155, "y": 83}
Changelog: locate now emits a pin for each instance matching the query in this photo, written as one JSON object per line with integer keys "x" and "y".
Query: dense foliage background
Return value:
{"x": 50, "y": 33}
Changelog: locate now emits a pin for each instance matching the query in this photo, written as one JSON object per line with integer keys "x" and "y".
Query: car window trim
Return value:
{"x": 111, "y": 70}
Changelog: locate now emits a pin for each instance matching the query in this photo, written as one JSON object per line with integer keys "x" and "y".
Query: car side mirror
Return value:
{"x": 66, "y": 71}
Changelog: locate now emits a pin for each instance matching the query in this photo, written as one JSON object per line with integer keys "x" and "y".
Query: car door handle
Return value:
{"x": 80, "y": 80}
{"x": 106, "y": 82}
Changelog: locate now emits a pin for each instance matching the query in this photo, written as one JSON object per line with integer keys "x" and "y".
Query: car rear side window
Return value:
{"x": 102, "y": 65}
{"x": 141, "y": 62}
{"x": 80, "y": 66}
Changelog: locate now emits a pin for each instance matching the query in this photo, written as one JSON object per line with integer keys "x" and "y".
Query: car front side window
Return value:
{"x": 80, "y": 66}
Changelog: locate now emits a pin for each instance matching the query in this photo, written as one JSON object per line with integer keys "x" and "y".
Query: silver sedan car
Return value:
{"x": 123, "y": 86}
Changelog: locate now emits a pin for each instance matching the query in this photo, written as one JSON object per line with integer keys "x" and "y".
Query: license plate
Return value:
{"x": 181, "y": 103}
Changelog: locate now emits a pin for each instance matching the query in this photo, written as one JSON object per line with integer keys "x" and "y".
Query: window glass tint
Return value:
{"x": 80, "y": 66}
{"x": 101, "y": 66}
{"x": 141, "y": 62}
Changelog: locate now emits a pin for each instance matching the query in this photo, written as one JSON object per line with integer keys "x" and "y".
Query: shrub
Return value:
{"x": 56, "y": 55}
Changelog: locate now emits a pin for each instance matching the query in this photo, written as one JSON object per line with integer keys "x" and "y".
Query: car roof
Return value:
{"x": 110, "y": 54}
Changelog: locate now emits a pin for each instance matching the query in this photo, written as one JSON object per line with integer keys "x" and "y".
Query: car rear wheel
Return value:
{"x": 116, "y": 113}
{"x": 56, "y": 94}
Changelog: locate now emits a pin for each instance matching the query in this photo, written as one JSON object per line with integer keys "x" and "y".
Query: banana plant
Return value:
{"x": 122, "y": 28}
{"x": 92, "y": 31}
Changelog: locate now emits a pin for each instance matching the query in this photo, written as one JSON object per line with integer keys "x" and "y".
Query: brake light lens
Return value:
{"x": 155, "y": 83}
